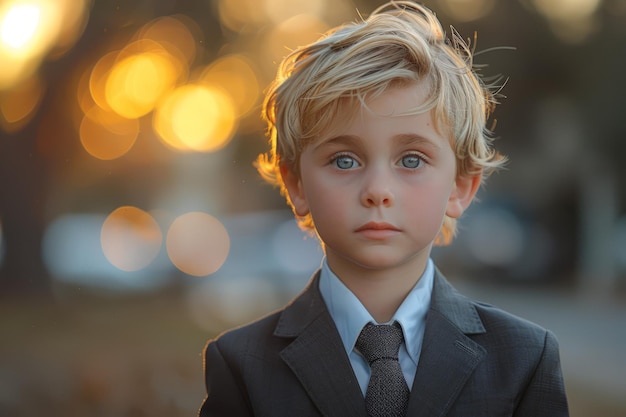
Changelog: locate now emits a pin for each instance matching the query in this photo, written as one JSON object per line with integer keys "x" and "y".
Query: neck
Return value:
{"x": 381, "y": 291}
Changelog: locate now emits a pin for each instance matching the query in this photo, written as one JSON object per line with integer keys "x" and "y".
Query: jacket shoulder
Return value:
{"x": 525, "y": 357}
{"x": 517, "y": 339}
{"x": 500, "y": 321}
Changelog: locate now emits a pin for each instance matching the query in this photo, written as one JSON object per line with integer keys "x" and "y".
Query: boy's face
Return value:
{"x": 378, "y": 188}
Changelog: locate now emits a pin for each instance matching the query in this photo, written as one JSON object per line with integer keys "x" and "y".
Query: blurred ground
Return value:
{"x": 100, "y": 356}
{"x": 96, "y": 355}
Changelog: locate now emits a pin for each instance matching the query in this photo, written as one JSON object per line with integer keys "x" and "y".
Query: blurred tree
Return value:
{"x": 25, "y": 172}
{"x": 31, "y": 157}
{"x": 22, "y": 173}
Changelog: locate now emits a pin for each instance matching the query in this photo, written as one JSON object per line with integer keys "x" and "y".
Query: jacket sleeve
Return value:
{"x": 225, "y": 391}
{"x": 545, "y": 392}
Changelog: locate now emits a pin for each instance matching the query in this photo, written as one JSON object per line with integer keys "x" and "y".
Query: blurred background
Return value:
{"x": 133, "y": 226}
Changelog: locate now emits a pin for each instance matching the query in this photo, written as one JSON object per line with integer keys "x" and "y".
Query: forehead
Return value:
{"x": 394, "y": 101}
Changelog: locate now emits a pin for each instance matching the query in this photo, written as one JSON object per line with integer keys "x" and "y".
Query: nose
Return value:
{"x": 377, "y": 189}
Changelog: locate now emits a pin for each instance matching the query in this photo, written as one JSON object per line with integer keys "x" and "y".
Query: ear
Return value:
{"x": 465, "y": 188}
{"x": 293, "y": 185}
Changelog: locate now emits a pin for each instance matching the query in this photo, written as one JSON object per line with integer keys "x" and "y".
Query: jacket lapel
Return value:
{"x": 317, "y": 357}
{"x": 448, "y": 355}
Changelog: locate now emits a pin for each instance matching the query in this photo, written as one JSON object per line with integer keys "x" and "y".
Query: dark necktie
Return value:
{"x": 387, "y": 393}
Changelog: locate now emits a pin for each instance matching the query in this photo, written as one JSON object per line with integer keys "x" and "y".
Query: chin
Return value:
{"x": 380, "y": 263}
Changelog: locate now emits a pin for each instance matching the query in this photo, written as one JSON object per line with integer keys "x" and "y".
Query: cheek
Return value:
{"x": 323, "y": 199}
{"x": 327, "y": 205}
{"x": 332, "y": 210}
{"x": 430, "y": 200}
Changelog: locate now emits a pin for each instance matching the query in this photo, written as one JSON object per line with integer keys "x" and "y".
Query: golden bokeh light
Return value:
{"x": 132, "y": 81}
{"x": 131, "y": 238}
{"x": 197, "y": 243}
{"x": 236, "y": 76}
{"x": 106, "y": 135}
{"x": 176, "y": 34}
{"x": 572, "y": 10}
{"x": 19, "y": 25}
{"x": 18, "y": 105}
{"x": 31, "y": 29}
{"x": 570, "y": 20}
{"x": 151, "y": 73}
{"x": 196, "y": 118}
{"x": 467, "y": 10}
{"x": 241, "y": 15}
{"x": 75, "y": 16}
{"x": 296, "y": 31}
{"x": 84, "y": 100}
{"x": 136, "y": 83}
{"x": 279, "y": 11}
{"x": 98, "y": 80}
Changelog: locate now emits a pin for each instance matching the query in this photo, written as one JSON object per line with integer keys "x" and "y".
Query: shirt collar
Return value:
{"x": 350, "y": 315}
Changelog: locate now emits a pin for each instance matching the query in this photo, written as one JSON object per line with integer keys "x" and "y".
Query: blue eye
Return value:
{"x": 411, "y": 161}
{"x": 345, "y": 162}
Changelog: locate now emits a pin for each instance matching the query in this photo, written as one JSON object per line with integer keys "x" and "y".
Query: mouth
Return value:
{"x": 377, "y": 230}
{"x": 377, "y": 226}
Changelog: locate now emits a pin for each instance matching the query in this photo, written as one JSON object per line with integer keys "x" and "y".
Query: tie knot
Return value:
{"x": 380, "y": 341}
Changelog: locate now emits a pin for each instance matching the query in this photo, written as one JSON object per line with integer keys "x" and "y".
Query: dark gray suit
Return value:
{"x": 476, "y": 360}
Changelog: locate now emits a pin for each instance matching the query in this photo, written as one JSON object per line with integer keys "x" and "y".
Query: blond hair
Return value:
{"x": 399, "y": 43}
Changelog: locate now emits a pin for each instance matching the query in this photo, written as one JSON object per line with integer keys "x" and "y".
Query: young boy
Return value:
{"x": 379, "y": 145}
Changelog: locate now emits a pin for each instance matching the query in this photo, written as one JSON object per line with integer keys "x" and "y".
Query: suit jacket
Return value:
{"x": 476, "y": 360}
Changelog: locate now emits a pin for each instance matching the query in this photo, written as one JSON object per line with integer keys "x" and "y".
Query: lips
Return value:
{"x": 377, "y": 231}
{"x": 377, "y": 226}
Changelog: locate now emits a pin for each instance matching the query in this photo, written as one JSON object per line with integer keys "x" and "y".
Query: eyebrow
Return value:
{"x": 401, "y": 139}
{"x": 412, "y": 138}
{"x": 339, "y": 140}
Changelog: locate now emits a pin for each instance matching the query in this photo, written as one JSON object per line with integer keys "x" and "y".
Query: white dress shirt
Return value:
{"x": 350, "y": 316}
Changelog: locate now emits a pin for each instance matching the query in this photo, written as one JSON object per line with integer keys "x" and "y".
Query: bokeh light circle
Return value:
{"x": 197, "y": 243}
{"x": 235, "y": 75}
{"x": 175, "y": 34}
{"x": 31, "y": 30}
{"x": 279, "y": 11}
{"x": 105, "y": 135}
{"x": 98, "y": 79}
{"x": 131, "y": 238}
{"x": 196, "y": 118}
{"x": 291, "y": 33}
{"x": 137, "y": 82}
{"x": 19, "y": 105}
{"x": 573, "y": 10}
{"x": 20, "y": 25}
{"x": 240, "y": 15}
